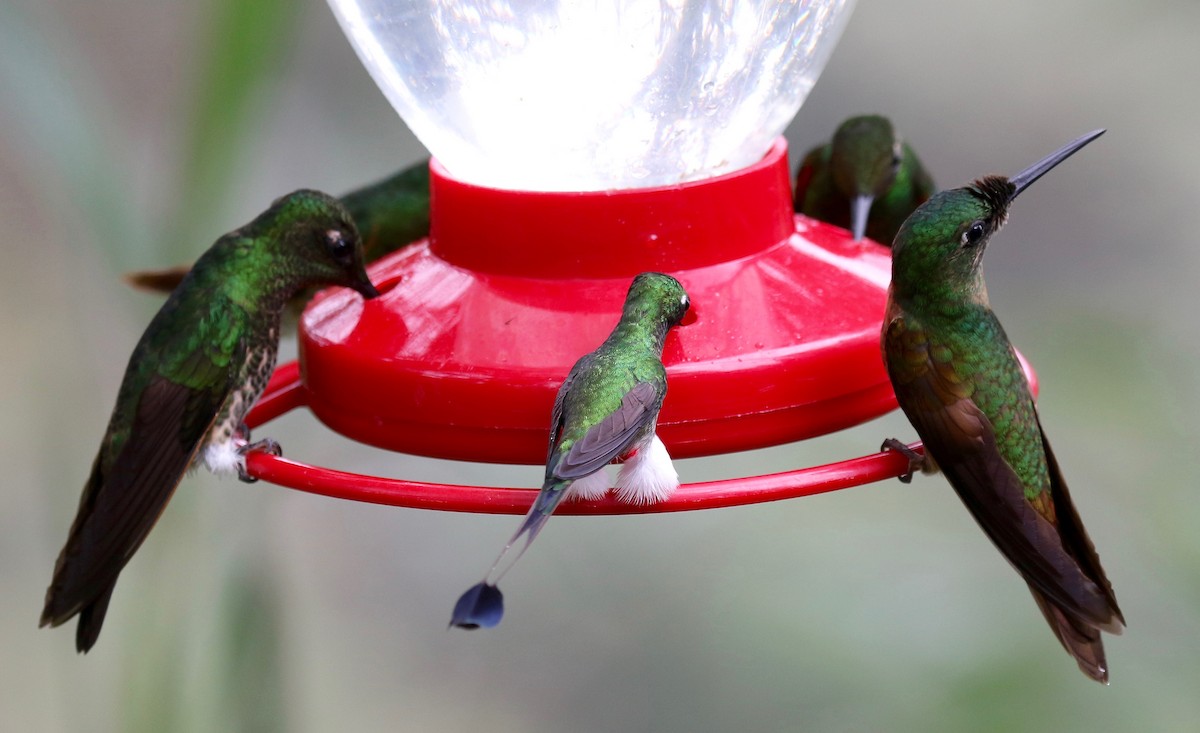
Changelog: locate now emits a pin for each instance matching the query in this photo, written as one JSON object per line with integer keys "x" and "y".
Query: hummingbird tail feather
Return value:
{"x": 1080, "y": 639}
{"x": 91, "y": 618}
{"x": 157, "y": 281}
{"x": 481, "y": 607}
{"x": 543, "y": 506}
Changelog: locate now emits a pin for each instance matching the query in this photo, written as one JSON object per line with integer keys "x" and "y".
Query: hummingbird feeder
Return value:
{"x": 573, "y": 149}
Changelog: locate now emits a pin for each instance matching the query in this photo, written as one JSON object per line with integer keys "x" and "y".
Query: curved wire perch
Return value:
{"x": 492, "y": 500}
{"x": 285, "y": 393}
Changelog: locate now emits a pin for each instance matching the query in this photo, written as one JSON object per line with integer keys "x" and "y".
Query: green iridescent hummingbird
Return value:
{"x": 606, "y": 410}
{"x": 390, "y": 214}
{"x": 194, "y": 374}
{"x": 958, "y": 380}
{"x": 866, "y": 180}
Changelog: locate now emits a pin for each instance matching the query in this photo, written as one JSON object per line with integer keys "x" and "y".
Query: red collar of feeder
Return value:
{"x": 461, "y": 356}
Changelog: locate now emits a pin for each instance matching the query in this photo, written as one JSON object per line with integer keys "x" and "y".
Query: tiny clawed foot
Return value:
{"x": 267, "y": 445}
{"x": 916, "y": 461}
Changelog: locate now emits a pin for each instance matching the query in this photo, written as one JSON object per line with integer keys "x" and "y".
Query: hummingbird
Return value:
{"x": 194, "y": 374}
{"x": 867, "y": 180}
{"x": 958, "y": 380}
{"x": 606, "y": 410}
{"x": 390, "y": 214}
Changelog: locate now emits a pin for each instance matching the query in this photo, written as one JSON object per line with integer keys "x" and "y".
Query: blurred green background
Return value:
{"x": 134, "y": 132}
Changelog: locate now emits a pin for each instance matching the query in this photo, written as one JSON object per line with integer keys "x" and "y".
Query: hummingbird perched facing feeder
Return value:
{"x": 605, "y": 410}
{"x": 959, "y": 382}
{"x": 193, "y": 376}
{"x": 867, "y": 179}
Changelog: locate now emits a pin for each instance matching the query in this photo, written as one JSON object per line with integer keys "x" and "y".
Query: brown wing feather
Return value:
{"x": 120, "y": 506}
{"x": 962, "y": 441}
{"x": 612, "y": 436}
{"x": 1078, "y": 638}
{"x": 1074, "y": 537}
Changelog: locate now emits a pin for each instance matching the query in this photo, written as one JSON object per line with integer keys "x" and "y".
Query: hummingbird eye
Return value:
{"x": 338, "y": 246}
{"x": 974, "y": 233}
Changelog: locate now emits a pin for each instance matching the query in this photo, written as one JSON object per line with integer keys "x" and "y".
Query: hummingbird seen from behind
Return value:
{"x": 194, "y": 374}
{"x": 866, "y": 180}
{"x": 606, "y": 410}
{"x": 958, "y": 380}
{"x": 389, "y": 214}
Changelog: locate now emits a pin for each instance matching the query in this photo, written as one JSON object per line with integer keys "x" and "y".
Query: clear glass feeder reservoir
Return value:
{"x": 575, "y": 145}
{"x": 574, "y": 95}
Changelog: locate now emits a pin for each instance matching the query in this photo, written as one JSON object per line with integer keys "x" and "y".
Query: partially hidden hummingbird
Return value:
{"x": 958, "y": 380}
{"x": 867, "y": 180}
{"x": 390, "y": 214}
{"x": 606, "y": 410}
{"x": 194, "y": 374}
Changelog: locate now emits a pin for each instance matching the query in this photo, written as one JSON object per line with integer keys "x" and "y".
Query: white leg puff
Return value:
{"x": 590, "y": 487}
{"x": 648, "y": 476}
{"x": 224, "y": 458}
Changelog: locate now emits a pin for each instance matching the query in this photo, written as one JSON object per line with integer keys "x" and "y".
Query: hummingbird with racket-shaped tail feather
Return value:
{"x": 958, "y": 380}
{"x": 606, "y": 410}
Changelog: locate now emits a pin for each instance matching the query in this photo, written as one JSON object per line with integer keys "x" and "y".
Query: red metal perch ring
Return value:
{"x": 285, "y": 393}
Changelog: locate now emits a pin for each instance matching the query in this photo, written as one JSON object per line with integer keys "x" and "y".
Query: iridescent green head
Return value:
{"x": 865, "y": 156}
{"x": 653, "y": 295}
{"x": 312, "y": 241}
{"x": 941, "y": 244}
{"x": 939, "y": 248}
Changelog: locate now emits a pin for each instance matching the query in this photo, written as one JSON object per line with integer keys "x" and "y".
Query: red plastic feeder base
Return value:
{"x": 462, "y": 355}
{"x": 477, "y": 327}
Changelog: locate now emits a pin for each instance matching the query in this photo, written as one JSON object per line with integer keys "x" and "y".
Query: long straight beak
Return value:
{"x": 860, "y": 209}
{"x": 366, "y": 288}
{"x": 1022, "y": 180}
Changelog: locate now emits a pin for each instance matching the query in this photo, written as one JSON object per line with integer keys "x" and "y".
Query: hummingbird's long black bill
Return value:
{"x": 366, "y": 288}
{"x": 1022, "y": 180}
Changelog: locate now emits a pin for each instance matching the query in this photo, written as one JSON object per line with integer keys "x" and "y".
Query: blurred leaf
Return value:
{"x": 62, "y": 134}
{"x": 252, "y": 684}
{"x": 245, "y": 45}
{"x": 153, "y": 691}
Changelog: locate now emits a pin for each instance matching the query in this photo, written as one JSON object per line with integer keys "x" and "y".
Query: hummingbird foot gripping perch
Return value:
{"x": 266, "y": 445}
{"x": 228, "y": 457}
{"x": 917, "y": 460}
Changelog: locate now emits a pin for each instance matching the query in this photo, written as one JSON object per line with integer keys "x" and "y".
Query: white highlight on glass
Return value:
{"x": 581, "y": 95}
